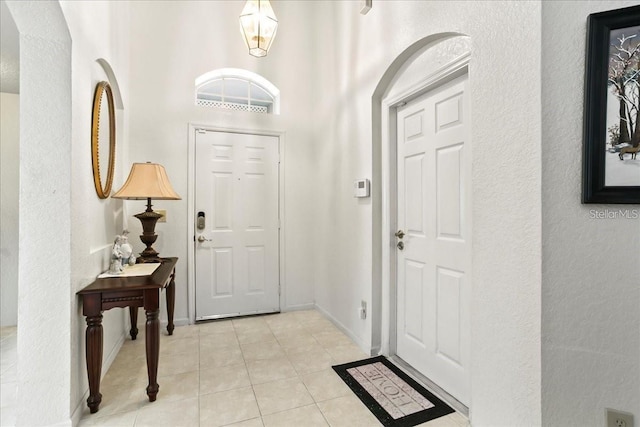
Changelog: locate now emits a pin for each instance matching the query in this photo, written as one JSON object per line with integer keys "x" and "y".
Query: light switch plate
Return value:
{"x": 162, "y": 212}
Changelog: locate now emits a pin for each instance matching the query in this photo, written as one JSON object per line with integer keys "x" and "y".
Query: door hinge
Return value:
{"x": 201, "y": 130}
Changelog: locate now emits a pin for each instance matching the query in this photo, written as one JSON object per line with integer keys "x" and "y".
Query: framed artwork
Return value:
{"x": 611, "y": 156}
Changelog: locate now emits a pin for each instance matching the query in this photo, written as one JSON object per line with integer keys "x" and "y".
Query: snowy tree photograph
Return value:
{"x": 611, "y": 137}
{"x": 622, "y": 162}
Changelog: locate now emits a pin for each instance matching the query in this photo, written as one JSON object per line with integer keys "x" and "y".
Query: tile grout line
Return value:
{"x": 253, "y": 390}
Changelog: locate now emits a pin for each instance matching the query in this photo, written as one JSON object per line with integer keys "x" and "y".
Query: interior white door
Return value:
{"x": 434, "y": 212}
{"x": 237, "y": 224}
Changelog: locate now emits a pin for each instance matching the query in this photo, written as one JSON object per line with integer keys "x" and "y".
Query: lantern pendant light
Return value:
{"x": 258, "y": 25}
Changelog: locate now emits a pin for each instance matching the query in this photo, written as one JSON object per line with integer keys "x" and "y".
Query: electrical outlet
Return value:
{"x": 363, "y": 310}
{"x": 618, "y": 418}
{"x": 162, "y": 212}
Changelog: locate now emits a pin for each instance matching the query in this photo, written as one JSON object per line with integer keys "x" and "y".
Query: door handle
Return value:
{"x": 201, "y": 239}
{"x": 399, "y": 234}
{"x": 400, "y": 245}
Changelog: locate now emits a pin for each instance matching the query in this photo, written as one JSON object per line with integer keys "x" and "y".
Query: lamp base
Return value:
{"x": 148, "y": 218}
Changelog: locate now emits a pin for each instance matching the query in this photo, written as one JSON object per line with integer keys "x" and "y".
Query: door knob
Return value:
{"x": 400, "y": 245}
{"x": 201, "y": 239}
{"x": 399, "y": 234}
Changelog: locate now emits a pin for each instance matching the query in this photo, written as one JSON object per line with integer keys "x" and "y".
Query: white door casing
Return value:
{"x": 237, "y": 253}
{"x": 434, "y": 212}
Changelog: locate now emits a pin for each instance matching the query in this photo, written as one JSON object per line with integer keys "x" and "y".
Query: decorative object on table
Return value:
{"x": 126, "y": 249}
{"x": 391, "y": 395}
{"x": 143, "y": 269}
{"x": 611, "y": 166}
{"x": 258, "y": 25}
{"x": 115, "y": 266}
{"x": 147, "y": 181}
{"x": 103, "y": 139}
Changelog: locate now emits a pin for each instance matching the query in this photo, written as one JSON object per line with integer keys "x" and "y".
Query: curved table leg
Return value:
{"x": 94, "y": 360}
{"x": 153, "y": 349}
{"x": 133, "y": 315}
{"x": 171, "y": 300}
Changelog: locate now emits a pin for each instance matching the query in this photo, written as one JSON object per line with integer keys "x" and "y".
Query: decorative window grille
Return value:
{"x": 232, "y": 106}
{"x": 237, "y": 90}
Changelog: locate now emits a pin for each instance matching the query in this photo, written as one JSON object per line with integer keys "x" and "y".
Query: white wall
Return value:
{"x": 44, "y": 213}
{"x": 172, "y": 44}
{"x": 10, "y": 179}
{"x": 352, "y": 53}
{"x": 590, "y": 287}
{"x": 99, "y": 30}
{"x": 65, "y": 230}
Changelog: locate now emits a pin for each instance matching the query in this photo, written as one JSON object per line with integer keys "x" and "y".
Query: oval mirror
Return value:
{"x": 103, "y": 139}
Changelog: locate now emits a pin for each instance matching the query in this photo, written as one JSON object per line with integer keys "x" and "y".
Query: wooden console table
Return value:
{"x": 132, "y": 292}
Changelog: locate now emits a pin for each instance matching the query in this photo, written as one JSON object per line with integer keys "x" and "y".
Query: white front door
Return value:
{"x": 237, "y": 231}
{"x": 434, "y": 211}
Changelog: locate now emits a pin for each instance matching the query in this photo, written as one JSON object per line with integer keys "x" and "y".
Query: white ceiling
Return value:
{"x": 9, "y": 52}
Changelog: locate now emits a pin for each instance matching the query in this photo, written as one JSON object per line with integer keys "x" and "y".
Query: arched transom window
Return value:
{"x": 239, "y": 90}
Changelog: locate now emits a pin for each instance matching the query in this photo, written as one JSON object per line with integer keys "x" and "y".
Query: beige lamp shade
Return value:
{"x": 147, "y": 181}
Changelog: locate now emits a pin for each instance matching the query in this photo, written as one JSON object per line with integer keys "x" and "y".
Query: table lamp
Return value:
{"x": 147, "y": 181}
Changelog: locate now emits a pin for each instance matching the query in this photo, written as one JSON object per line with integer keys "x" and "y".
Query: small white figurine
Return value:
{"x": 115, "y": 266}
{"x": 126, "y": 249}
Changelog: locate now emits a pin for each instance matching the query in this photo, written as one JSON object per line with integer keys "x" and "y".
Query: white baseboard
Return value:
{"x": 367, "y": 349}
{"x": 106, "y": 364}
{"x": 376, "y": 351}
{"x": 184, "y": 321}
{"x": 176, "y": 322}
{"x": 77, "y": 413}
{"x": 299, "y": 307}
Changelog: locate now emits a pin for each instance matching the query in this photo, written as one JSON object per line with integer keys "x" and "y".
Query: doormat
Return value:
{"x": 392, "y": 396}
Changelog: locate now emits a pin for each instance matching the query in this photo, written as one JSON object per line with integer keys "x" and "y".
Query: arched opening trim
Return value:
{"x": 237, "y": 89}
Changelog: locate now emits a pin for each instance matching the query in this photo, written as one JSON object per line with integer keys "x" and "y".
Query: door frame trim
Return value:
{"x": 448, "y": 72}
{"x": 191, "y": 171}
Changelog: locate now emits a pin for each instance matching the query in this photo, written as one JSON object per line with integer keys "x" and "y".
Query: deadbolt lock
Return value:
{"x": 399, "y": 234}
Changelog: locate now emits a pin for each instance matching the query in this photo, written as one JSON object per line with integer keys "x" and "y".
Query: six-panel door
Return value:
{"x": 434, "y": 212}
{"x": 236, "y": 251}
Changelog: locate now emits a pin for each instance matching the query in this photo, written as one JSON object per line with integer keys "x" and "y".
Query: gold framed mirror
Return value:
{"x": 103, "y": 139}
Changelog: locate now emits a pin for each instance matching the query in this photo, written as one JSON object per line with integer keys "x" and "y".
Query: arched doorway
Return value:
{"x": 427, "y": 67}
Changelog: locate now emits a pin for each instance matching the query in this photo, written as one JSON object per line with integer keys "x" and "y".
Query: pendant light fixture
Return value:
{"x": 258, "y": 25}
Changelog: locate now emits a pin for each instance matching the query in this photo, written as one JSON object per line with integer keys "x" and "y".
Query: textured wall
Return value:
{"x": 99, "y": 30}
{"x": 45, "y": 205}
{"x": 352, "y": 56}
{"x": 65, "y": 230}
{"x": 591, "y": 282}
{"x": 10, "y": 179}
{"x": 164, "y": 66}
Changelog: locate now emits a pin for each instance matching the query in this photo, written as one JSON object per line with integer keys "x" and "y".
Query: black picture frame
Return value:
{"x": 599, "y": 29}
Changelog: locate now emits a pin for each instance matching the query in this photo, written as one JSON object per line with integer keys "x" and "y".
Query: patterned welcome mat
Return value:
{"x": 390, "y": 394}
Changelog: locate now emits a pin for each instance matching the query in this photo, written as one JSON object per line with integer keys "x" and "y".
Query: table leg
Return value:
{"x": 171, "y": 300}
{"x": 153, "y": 349}
{"x": 94, "y": 360}
{"x": 133, "y": 315}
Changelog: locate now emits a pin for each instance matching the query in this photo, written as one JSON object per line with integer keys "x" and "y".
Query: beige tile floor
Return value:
{"x": 264, "y": 371}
